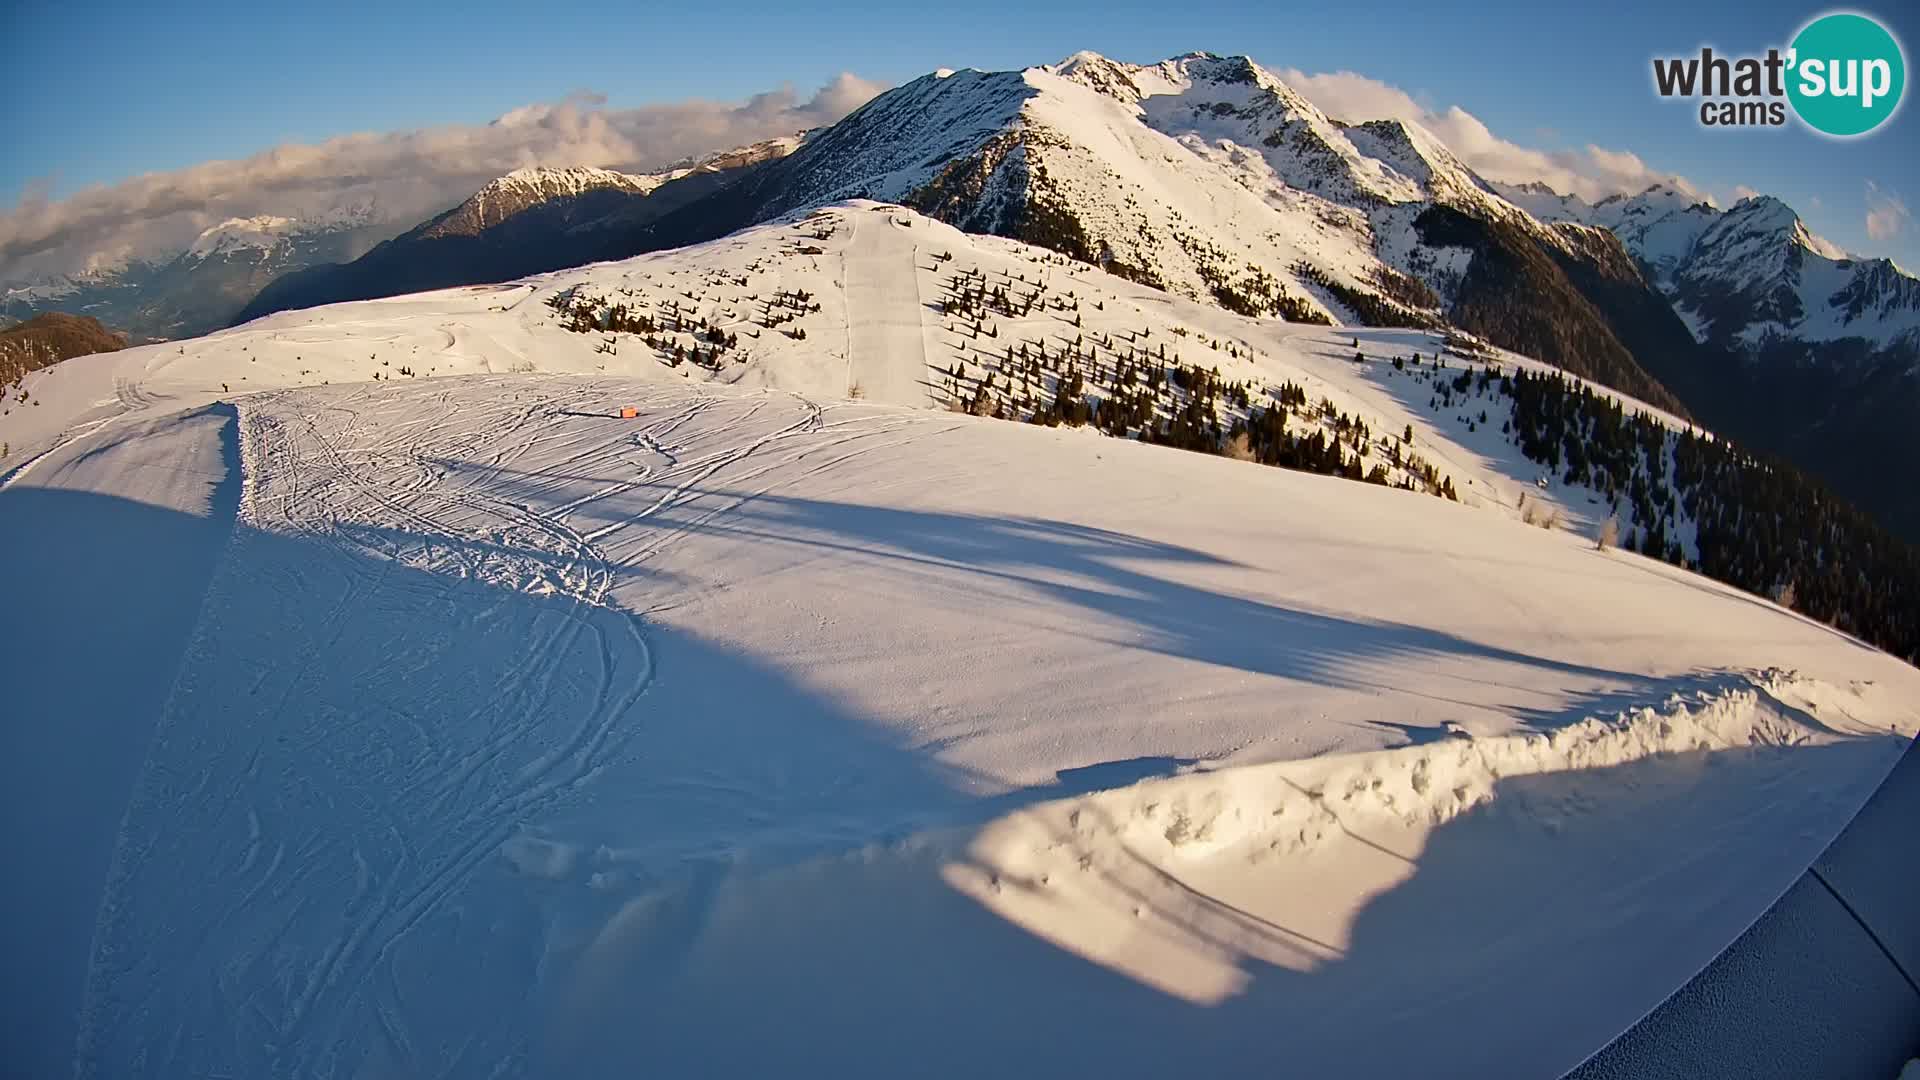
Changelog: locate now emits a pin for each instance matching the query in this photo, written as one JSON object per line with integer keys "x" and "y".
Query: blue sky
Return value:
{"x": 139, "y": 87}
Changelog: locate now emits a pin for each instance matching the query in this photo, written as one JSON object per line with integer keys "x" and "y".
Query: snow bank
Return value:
{"x": 1293, "y": 806}
{"x": 1255, "y": 813}
{"x": 1185, "y": 925}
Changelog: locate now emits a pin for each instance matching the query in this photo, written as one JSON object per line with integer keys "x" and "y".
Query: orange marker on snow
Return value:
{"x": 628, "y": 412}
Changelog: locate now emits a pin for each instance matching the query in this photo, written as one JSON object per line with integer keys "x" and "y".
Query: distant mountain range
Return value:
{"x": 527, "y": 222}
{"x": 1209, "y": 177}
{"x": 1803, "y": 349}
{"x": 1749, "y": 276}
{"x": 199, "y": 290}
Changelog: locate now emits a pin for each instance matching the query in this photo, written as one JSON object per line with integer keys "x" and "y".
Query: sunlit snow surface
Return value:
{"x": 770, "y": 731}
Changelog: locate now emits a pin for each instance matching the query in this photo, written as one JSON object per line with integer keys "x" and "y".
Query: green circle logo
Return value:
{"x": 1847, "y": 74}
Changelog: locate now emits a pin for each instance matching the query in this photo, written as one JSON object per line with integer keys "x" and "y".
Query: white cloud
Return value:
{"x": 1887, "y": 214}
{"x": 401, "y": 176}
{"x": 1591, "y": 172}
{"x": 1742, "y": 191}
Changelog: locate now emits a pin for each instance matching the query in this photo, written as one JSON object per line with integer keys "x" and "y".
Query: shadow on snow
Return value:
{"x": 395, "y": 822}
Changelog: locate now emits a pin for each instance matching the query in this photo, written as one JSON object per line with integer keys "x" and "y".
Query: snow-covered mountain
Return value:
{"x": 1757, "y": 273}
{"x": 1752, "y": 274}
{"x": 1807, "y": 351}
{"x": 1210, "y": 177}
{"x": 1202, "y": 174}
{"x": 670, "y": 666}
{"x": 969, "y": 619}
{"x": 262, "y": 232}
{"x": 523, "y": 189}
{"x": 528, "y": 221}
{"x": 202, "y": 287}
{"x": 1658, "y": 226}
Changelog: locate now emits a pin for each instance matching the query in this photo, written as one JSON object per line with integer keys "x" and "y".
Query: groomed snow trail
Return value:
{"x": 91, "y": 651}
{"x": 885, "y": 336}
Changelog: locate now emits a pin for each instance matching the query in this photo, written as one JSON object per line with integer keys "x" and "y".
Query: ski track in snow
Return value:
{"x": 427, "y": 493}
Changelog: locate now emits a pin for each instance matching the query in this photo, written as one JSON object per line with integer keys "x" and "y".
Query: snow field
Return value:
{"x": 772, "y": 729}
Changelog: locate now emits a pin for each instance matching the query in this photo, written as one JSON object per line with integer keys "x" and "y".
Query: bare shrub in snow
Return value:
{"x": 1239, "y": 447}
{"x": 1609, "y": 534}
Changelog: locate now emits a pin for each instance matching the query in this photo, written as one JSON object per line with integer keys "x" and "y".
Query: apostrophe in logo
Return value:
{"x": 1848, "y": 74}
{"x": 1844, "y": 75}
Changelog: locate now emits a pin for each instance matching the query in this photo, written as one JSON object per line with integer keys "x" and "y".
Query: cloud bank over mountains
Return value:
{"x": 400, "y": 177}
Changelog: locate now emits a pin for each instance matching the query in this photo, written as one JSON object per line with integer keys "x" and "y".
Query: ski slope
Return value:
{"x": 88, "y": 654}
{"x": 771, "y": 730}
{"x": 876, "y": 273}
{"x": 885, "y": 323}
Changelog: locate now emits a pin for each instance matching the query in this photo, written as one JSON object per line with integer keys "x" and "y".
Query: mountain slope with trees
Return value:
{"x": 1209, "y": 177}
{"x": 1797, "y": 347}
{"x": 49, "y": 338}
{"x": 1001, "y": 329}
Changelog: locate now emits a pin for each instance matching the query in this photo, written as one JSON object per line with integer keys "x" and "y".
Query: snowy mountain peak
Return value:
{"x": 268, "y": 233}
{"x": 765, "y": 150}
{"x": 1208, "y": 67}
{"x": 1082, "y": 60}
{"x": 1176, "y": 76}
{"x": 1766, "y": 229}
{"x": 550, "y": 182}
{"x": 526, "y": 187}
{"x": 1419, "y": 156}
{"x": 1747, "y": 274}
{"x": 1668, "y": 192}
{"x": 1096, "y": 72}
{"x": 1186, "y": 73}
{"x": 262, "y": 231}
{"x": 1764, "y": 212}
{"x": 1231, "y": 99}
{"x": 1756, "y": 274}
